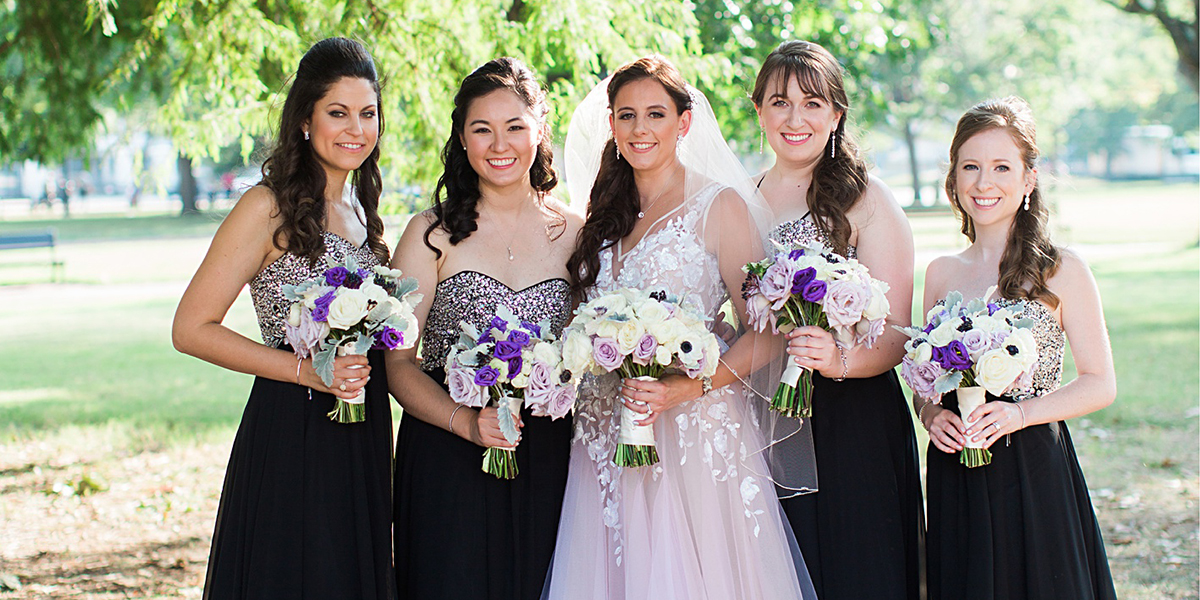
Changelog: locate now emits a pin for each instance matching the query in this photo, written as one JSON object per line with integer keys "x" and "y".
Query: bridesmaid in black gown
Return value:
{"x": 494, "y": 236}
{"x": 1023, "y": 526}
{"x": 861, "y": 533}
{"x": 304, "y": 512}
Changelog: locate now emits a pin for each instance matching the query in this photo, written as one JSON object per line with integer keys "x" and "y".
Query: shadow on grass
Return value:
{"x": 139, "y": 571}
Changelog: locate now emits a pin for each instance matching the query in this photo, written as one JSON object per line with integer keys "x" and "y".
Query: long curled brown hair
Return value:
{"x": 614, "y": 204}
{"x": 839, "y": 181}
{"x": 458, "y": 212}
{"x": 292, "y": 171}
{"x": 1029, "y": 258}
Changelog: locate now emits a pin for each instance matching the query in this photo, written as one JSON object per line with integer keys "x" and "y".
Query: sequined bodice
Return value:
{"x": 804, "y": 231}
{"x": 1051, "y": 342}
{"x": 472, "y": 297}
{"x": 266, "y": 289}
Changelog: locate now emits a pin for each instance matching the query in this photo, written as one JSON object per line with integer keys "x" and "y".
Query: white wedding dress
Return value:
{"x": 704, "y": 522}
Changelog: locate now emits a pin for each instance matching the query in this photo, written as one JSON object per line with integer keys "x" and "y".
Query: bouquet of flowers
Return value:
{"x": 350, "y": 310}
{"x": 512, "y": 363}
{"x": 639, "y": 334}
{"x": 812, "y": 286}
{"x": 974, "y": 346}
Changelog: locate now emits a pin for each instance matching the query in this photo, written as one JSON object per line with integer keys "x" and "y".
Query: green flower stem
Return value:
{"x": 345, "y": 412}
{"x": 500, "y": 462}
{"x": 975, "y": 457}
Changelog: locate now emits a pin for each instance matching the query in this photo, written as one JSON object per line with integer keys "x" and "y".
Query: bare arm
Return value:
{"x": 240, "y": 249}
{"x": 1095, "y": 387}
{"x": 421, "y": 396}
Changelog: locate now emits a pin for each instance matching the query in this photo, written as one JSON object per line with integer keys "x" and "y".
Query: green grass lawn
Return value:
{"x": 92, "y": 359}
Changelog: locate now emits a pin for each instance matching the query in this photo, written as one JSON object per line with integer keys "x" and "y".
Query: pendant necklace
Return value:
{"x": 642, "y": 212}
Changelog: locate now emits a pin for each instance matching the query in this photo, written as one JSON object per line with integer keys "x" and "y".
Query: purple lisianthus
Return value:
{"x": 499, "y": 323}
{"x": 992, "y": 308}
{"x": 532, "y": 328}
{"x": 506, "y": 350}
{"x": 814, "y": 292}
{"x": 388, "y": 338}
{"x": 514, "y": 366}
{"x": 801, "y": 279}
{"x": 953, "y": 356}
{"x": 518, "y": 336}
{"x": 320, "y": 312}
{"x": 336, "y": 276}
{"x": 795, "y": 254}
{"x": 487, "y": 376}
{"x": 486, "y": 338}
{"x": 643, "y": 353}
{"x": 607, "y": 353}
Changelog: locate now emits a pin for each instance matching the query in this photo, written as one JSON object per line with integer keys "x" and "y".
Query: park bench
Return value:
{"x": 35, "y": 239}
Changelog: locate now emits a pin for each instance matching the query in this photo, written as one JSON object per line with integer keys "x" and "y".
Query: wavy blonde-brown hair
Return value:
{"x": 1030, "y": 258}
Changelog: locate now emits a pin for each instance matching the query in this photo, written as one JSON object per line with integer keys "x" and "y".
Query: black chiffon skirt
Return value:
{"x": 862, "y": 533}
{"x": 1020, "y": 528}
{"x": 462, "y": 534}
{"x": 304, "y": 511}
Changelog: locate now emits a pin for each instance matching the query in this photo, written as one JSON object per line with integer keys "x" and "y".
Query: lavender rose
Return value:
{"x": 306, "y": 335}
{"x": 643, "y": 353}
{"x": 845, "y": 302}
{"x": 562, "y": 402}
{"x": 777, "y": 282}
{"x": 486, "y": 376}
{"x": 759, "y": 311}
{"x": 463, "y": 388}
{"x": 953, "y": 356}
{"x": 921, "y": 377}
{"x": 606, "y": 353}
{"x": 977, "y": 342}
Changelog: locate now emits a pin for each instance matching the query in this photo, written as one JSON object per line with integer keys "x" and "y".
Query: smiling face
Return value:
{"x": 797, "y": 124}
{"x": 501, "y": 136}
{"x": 991, "y": 180}
{"x": 647, "y": 124}
{"x": 344, "y": 126}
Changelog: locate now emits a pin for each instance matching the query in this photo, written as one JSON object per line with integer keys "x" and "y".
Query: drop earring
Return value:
{"x": 832, "y": 144}
{"x": 760, "y": 140}
{"x": 1026, "y": 201}
{"x": 306, "y": 135}
{"x": 618, "y": 149}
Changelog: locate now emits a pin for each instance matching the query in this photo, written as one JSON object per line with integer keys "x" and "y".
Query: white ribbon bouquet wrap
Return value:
{"x": 350, "y": 310}
{"x": 974, "y": 346}
{"x": 639, "y": 334}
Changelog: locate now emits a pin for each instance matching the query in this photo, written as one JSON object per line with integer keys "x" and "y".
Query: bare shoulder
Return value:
{"x": 876, "y": 203}
{"x": 942, "y": 272}
{"x": 573, "y": 215}
{"x": 256, "y": 206}
{"x": 413, "y": 238}
{"x": 1073, "y": 273}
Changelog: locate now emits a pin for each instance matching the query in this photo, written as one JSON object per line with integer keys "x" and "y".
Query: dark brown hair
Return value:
{"x": 613, "y": 204}
{"x": 837, "y": 182}
{"x": 457, "y": 213}
{"x": 292, "y": 171}
{"x": 1029, "y": 257}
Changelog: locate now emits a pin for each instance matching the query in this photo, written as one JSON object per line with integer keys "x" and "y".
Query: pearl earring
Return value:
{"x": 306, "y": 135}
{"x": 760, "y": 140}
{"x": 1026, "y": 201}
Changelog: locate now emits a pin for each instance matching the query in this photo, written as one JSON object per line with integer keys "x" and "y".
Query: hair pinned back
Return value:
{"x": 292, "y": 171}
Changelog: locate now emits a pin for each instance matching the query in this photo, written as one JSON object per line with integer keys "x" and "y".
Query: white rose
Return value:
{"x": 944, "y": 333}
{"x": 663, "y": 356}
{"x": 628, "y": 336}
{"x": 996, "y": 371}
{"x": 605, "y": 328}
{"x": 577, "y": 353}
{"x": 651, "y": 312}
{"x": 921, "y": 354}
{"x": 347, "y": 309}
{"x": 547, "y": 353}
{"x": 294, "y": 314}
{"x": 878, "y": 306}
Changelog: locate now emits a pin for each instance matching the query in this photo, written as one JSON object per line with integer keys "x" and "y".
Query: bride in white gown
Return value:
{"x": 671, "y": 210}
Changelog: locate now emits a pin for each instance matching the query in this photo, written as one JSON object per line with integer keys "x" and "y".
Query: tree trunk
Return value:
{"x": 910, "y": 139}
{"x": 187, "y": 185}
